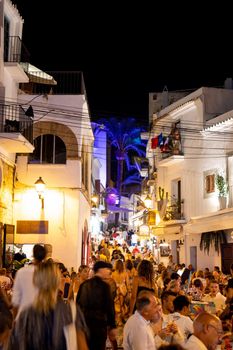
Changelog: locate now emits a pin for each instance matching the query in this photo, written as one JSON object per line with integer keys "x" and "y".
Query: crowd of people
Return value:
{"x": 123, "y": 299}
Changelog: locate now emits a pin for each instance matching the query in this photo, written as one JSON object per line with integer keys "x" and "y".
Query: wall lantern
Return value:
{"x": 95, "y": 199}
{"x": 40, "y": 187}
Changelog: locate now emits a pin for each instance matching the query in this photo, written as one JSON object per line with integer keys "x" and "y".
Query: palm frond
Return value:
{"x": 212, "y": 239}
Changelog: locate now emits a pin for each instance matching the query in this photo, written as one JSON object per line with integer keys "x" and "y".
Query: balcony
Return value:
{"x": 174, "y": 211}
{"x": 54, "y": 82}
{"x": 171, "y": 160}
{"x": 170, "y": 146}
{"x": 14, "y": 53}
{"x": 16, "y": 128}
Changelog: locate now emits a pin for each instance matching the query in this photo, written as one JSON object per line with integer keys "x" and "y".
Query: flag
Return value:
{"x": 154, "y": 142}
{"x": 166, "y": 142}
{"x": 160, "y": 139}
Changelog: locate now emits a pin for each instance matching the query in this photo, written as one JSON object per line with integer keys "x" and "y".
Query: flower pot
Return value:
{"x": 222, "y": 202}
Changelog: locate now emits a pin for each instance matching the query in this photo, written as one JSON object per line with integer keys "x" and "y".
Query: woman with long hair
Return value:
{"x": 121, "y": 278}
{"x": 41, "y": 325}
{"x": 144, "y": 281}
{"x": 131, "y": 272}
{"x": 82, "y": 275}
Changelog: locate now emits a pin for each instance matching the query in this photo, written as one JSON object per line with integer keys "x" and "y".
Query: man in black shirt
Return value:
{"x": 95, "y": 300}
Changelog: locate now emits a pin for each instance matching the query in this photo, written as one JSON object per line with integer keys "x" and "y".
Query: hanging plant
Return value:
{"x": 213, "y": 238}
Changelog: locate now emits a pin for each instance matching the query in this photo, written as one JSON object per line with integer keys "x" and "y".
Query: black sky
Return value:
{"x": 125, "y": 54}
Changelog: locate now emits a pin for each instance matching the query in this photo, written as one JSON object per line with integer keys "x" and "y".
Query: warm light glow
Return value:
{"x": 157, "y": 218}
{"x": 40, "y": 186}
{"x": 144, "y": 230}
{"x": 148, "y": 201}
{"x": 29, "y": 205}
{"x": 95, "y": 198}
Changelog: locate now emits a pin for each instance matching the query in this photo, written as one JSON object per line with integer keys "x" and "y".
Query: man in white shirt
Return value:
{"x": 137, "y": 333}
{"x": 180, "y": 316}
{"x": 216, "y": 297}
{"x": 167, "y": 298}
{"x": 24, "y": 291}
{"x": 207, "y": 332}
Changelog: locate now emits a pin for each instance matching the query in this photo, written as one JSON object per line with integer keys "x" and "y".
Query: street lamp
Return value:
{"x": 95, "y": 199}
{"x": 40, "y": 187}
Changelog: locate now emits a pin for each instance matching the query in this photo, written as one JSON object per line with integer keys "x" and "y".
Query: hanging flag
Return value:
{"x": 166, "y": 142}
{"x": 154, "y": 142}
{"x": 160, "y": 139}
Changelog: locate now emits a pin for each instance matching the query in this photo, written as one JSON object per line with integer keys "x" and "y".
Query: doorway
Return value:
{"x": 226, "y": 257}
{"x": 193, "y": 257}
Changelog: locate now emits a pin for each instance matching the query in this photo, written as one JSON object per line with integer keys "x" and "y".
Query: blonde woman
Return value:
{"x": 40, "y": 326}
{"x": 120, "y": 276}
{"x": 131, "y": 272}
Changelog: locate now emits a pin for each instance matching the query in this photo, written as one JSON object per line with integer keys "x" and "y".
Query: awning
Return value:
{"x": 220, "y": 220}
{"x": 167, "y": 230}
{"x": 36, "y": 75}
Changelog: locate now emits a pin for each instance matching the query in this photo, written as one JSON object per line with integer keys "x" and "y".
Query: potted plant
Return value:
{"x": 222, "y": 188}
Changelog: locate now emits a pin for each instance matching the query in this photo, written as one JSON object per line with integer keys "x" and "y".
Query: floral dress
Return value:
{"x": 121, "y": 308}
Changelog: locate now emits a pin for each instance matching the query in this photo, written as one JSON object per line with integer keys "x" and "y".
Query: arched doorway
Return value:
{"x": 86, "y": 245}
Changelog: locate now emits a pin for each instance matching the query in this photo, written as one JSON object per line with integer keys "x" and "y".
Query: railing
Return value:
{"x": 55, "y": 83}
{"x": 15, "y": 51}
{"x": 13, "y": 119}
{"x": 174, "y": 211}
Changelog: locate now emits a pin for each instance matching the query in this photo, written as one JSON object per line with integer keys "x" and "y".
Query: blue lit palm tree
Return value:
{"x": 124, "y": 136}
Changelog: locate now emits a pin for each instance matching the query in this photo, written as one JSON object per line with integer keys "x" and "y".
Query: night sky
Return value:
{"x": 125, "y": 54}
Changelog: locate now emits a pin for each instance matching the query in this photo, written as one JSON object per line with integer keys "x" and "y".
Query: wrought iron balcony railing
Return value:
{"x": 55, "y": 82}
{"x": 14, "y": 119}
{"x": 15, "y": 50}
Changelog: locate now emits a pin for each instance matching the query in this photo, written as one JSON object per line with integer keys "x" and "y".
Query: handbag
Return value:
{"x": 70, "y": 331}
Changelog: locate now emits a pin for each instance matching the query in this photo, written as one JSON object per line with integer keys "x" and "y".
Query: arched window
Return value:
{"x": 49, "y": 149}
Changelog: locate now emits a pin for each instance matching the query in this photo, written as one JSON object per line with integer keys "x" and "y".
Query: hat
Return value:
{"x": 101, "y": 265}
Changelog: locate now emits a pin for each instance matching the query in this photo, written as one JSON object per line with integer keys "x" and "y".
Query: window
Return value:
{"x": 210, "y": 183}
{"x": 124, "y": 216}
{"x": 6, "y": 38}
{"x": 49, "y": 149}
{"x": 209, "y": 180}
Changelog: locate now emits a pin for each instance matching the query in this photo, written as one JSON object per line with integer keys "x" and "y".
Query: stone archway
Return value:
{"x": 62, "y": 131}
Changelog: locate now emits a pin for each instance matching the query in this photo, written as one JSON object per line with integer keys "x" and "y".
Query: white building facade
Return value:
{"x": 45, "y": 133}
{"x": 187, "y": 155}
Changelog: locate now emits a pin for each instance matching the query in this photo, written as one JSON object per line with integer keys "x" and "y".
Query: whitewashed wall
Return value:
{"x": 203, "y": 153}
{"x": 66, "y": 211}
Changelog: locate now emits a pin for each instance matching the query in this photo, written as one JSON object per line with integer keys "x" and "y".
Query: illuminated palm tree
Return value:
{"x": 124, "y": 136}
